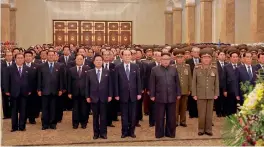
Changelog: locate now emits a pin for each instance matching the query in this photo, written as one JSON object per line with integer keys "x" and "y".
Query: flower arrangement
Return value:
{"x": 246, "y": 128}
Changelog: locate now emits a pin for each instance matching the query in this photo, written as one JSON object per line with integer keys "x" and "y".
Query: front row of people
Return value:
{"x": 98, "y": 86}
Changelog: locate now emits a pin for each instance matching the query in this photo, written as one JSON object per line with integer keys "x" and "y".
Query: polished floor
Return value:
{"x": 65, "y": 135}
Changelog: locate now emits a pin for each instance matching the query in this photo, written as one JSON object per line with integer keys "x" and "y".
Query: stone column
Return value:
{"x": 168, "y": 27}
{"x": 257, "y": 20}
{"x": 177, "y": 25}
{"x": 190, "y": 21}
{"x": 227, "y": 33}
{"x": 5, "y": 21}
{"x": 206, "y": 20}
{"x": 13, "y": 24}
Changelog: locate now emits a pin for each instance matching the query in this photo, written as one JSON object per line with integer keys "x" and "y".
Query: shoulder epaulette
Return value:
{"x": 213, "y": 66}
{"x": 197, "y": 66}
{"x": 187, "y": 65}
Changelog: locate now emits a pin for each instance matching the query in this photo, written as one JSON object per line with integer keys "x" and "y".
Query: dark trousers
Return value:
{"x": 192, "y": 107}
{"x": 49, "y": 110}
{"x": 230, "y": 104}
{"x": 110, "y": 112}
{"x": 146, "y": 102}
{"x": 152, "y": 113}
{"x": 6, "y": 105}
{"x": 168, "y": 109}
{"x": 99, "y": 118}
{"x": 219, "y": 104}
{"x": 18, "y": 105}
{"x": 128, "y": 117}
{"x": 79, "y": 111}
{"x": 33, "y": 106}
{"x": 67, "y": 103}
{"x": 139, "y": 114}
{"x": 59, "y": 107}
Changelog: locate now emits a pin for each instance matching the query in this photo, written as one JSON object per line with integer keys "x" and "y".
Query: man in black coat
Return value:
{"x": 231, "y": 86}
{"x": 165, "y": 90}
{"x": 99, "y": 93}
{"x": 192, "y": 104}
{"x": 260, "y": 65}
{"x": 18, "y": 87}
{"x": 50, "y": 77}
{"x": 157, "y": 56}
{"x": 128, "y": 91}
{"x": 76, "y": 84}
{"x": 112, "y": 106}
{"x": 66, "y": 57}
{"x": 219, "y": 103}
{"x": 33, "y": 103}
{"x": 5, "y": 98}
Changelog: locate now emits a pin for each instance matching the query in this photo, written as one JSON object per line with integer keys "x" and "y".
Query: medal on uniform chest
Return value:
{"x": 212, "y": 74}
{"x": 185, "y": 71}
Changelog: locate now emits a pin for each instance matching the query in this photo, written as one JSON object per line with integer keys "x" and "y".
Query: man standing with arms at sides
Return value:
{"x": 50, "y": 76}
{"x": 157, "y": 58}
{"x": 165, "y": 90}
{"x": 128, "y": 91}
{"x": 246, "y": 73}
{"x": 219, "y": 103}
{"x": 113, "y": 105}
{"x": 6, "y": 99}
{"x": 76, "y": 84}
{"x": 17, "y": 86}
{"x": 185, "y": 77}
{"x": 99, "y": 93}
{"x": 33, "y": 102}
{"x": 205, "y": 88}
{"x": 231, "y": 86}
{"x": 192, "y": 104}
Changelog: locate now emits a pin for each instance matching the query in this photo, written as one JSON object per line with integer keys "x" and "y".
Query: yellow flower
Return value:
{"x": 260, "y": 142}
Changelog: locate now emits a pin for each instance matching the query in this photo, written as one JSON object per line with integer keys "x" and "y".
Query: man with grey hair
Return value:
{"x": 195, "y": 60}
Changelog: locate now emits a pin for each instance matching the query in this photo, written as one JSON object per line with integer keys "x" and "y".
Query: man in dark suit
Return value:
{"x": 128, "y": 91}
{"x": 17, "y": 85}
{"x": 99, "y": 93}
{"x": 50, "y": 77}
{"x": 33, "y": 103}
{"x": 260, "y": 65}
{"x": 43, "y": 56}
{"x": 119, "y": 60}
{"x": 192, "y": 104}
{"x": 230, "y": 83}
{"x": 165, "y": 90}
{"x": 157, "y": 57}
{"x": 5, "y": 98}
{"x": 66, "y": 58}
{"x": 112, "y": 107}
{"x": 245, "y": 73}
{"x": 76, "y": 84}
{"x": 219, "y": 103}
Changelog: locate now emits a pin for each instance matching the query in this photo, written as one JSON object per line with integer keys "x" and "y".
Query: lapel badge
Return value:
{"x": 85, "y": 71}
{"x": 106, "y": 75}
{"x": 56, "y": 69}
{"x": 134, "y": 71}
{"x": 212, "y": 74}
{"x": 26, "y": 71}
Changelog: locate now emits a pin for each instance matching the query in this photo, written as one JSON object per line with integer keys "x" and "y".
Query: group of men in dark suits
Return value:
{"x": 121, "y": 81}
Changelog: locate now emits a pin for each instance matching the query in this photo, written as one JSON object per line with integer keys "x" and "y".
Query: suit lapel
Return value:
{"x": 130, "y": 71}
{"x": 245, "y": 69}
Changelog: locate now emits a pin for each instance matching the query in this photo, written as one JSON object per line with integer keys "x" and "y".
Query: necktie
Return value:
{"x": 8, "y": 64}
{"x": 20, "y": 71}
{"x": 127, "y": 71}
{"x": 106, "y": 66}
{"x": 98, "y": 75}
{"x": 79, "y": 71}
{"x": 249, "y": 73}
{"x": 51, "y": 67}
{"x": 28, "y": 64}
{"x": 234, "y": 66}
{"x": 66, "y": 59}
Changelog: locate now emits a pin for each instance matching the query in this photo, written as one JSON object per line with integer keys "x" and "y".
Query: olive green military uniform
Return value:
{"x": 205, "y": 85}
{"x": 185, "y": 77}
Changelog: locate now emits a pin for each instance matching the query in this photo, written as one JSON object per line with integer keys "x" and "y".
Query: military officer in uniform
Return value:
{"x": 205, "y": 88}
{"x": 185, "y": 77}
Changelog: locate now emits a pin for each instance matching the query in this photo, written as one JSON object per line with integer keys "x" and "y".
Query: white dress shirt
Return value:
{"x": 125, "y": 66}
{"x": 107, "y": 65}
{"x": 250, "y": 67}
{"x": 28, "y": 64}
